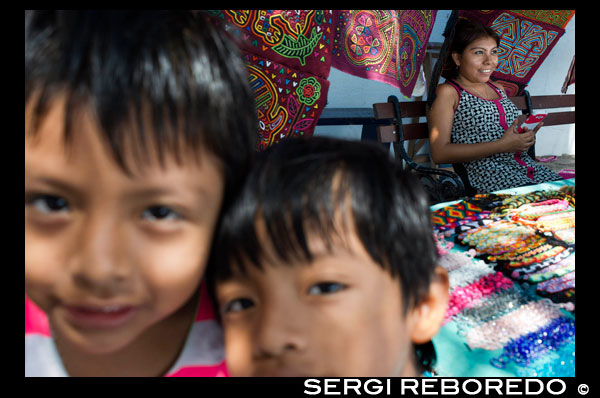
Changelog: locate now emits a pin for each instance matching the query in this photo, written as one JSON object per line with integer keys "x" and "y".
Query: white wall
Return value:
{"x": 347, "y": 91}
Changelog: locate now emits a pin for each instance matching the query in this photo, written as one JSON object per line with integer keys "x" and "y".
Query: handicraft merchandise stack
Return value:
{"x": 512, "y": 277}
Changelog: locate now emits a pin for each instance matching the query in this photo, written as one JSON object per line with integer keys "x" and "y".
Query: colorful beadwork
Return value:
{"x": 553, "y": 271}
{"x": 463, "y": 297}
{"x": 522, "y": 238}
{"x": 491, "y": 307}
{"x": 554, "y": 285}
{"x": 516, "y": 201}
{"x": 527, "y": 348}
{"x": 497, "y": 237}
{"x": 520, "y": 272}
{"x": 526, "y": 319}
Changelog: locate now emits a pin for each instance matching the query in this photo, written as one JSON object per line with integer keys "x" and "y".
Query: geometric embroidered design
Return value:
{"x": 522, "y": 43}
{"x": 288, "y": 57}
{"x": 288, "y": 101}
{"x": 384, "y": 45}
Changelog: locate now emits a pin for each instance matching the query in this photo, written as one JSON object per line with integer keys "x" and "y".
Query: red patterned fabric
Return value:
{"x": 384, "y": 45}
{"x": 288, "y": 54}
{"x": 288, "y": 101}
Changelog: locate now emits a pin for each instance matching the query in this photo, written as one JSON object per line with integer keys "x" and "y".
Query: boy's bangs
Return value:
{"x": 281, "y": 233}
{"x": 143, "y": 135}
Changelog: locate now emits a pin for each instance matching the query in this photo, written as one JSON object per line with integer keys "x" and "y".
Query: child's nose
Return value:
{"x": 98, "y": 265}
{"x": 281, "y": 331}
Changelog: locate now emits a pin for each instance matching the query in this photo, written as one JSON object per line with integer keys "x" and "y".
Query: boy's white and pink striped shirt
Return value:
{"x": 202, "y": 356}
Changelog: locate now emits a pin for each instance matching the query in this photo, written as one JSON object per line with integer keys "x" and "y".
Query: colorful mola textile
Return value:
{"x": 384, "y": 45}
{"x": 288, "y": 53}
{"x": 558, "y": 18}
{"x": 524, "y": 43}
{"x": 288, "y": 101}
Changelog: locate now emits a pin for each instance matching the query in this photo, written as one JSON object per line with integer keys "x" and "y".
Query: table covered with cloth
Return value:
{"x": 510, "y": 257}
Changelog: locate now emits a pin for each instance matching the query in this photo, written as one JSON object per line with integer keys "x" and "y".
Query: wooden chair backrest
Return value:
{"x": 420, "y": 130}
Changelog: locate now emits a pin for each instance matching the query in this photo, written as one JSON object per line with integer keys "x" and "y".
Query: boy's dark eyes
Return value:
{"x": 321, "y": 288}
{"x": 158, "y": 213}
{"x": 325, "y": 288}
{"x": 238, "y": 305}
{"x": 47, "y": 203}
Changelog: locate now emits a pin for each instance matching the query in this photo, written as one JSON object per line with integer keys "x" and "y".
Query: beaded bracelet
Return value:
{"x": 496, "y": 238}
{"x": 556, "y": 222}
{"x": 566, "y": 235}
{"x": 473, "y": 225}
{"x": 531, "y": 197}
{"x": 463, "y": 297}
{"x": 528, "y": 318}
{"x": 555, "y": 285}
{"x": 537, "y": 258}
{"x": 559, "y": 363}
{"x": 530, "y": 245}
{"x": 518, "y": 273}
{"x": 490, "y": 308}
{"x": 526, "y": 273}
{"x": 535, "y": 210}
{"x": 454, "y": 260}
{"x": 554, "y": 271}
{"x": 534, "y": 345}
{"x": 469, "y": 273}
{"x": 535, "y": 249}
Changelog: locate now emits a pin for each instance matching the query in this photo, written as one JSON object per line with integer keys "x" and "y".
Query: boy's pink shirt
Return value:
{"x": 36, "y": 323}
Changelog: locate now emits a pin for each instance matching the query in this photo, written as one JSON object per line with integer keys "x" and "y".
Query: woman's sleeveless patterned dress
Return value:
{"x": 477, "y": 120}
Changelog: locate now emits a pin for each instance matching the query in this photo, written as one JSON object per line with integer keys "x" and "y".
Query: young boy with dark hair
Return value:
{"x": 325, "y": 265}
{"x": 138, "y": 126}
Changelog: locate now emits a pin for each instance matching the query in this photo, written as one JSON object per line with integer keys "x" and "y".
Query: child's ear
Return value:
{"x": 427, "y": 316}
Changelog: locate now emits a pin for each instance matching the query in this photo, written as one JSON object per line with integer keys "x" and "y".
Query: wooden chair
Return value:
{"x": 442, "y": 185}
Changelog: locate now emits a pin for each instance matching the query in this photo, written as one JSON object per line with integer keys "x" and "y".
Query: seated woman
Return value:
{"x": 473, "y": 122}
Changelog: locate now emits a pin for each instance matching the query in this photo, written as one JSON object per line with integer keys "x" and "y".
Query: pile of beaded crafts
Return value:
{"x": 512, "y": 280}
{"x": 531, "y": 239}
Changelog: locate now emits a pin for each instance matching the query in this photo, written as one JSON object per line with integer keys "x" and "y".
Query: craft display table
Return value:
{"x": 509, "y": 328}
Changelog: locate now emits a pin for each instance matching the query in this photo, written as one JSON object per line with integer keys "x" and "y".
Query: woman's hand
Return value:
{"x": 512, "y": 141}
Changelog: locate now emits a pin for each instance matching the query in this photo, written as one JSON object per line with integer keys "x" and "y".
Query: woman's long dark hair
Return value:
{"x": 466, "y": 32}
